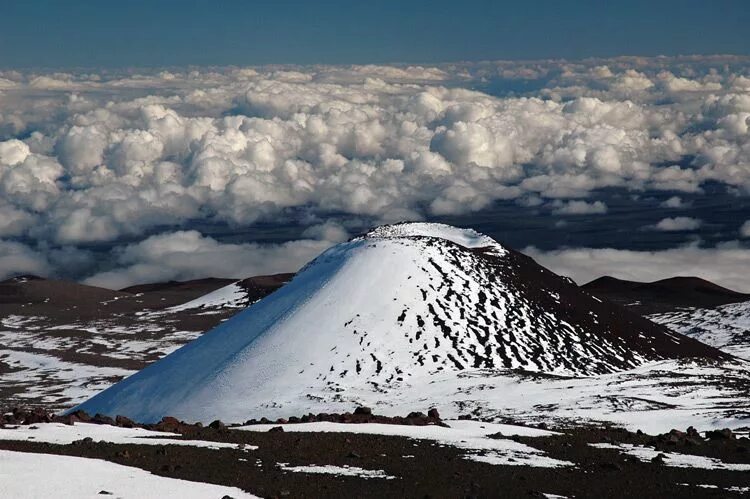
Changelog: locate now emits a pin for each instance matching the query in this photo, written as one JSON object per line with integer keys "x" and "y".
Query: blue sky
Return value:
{"x": 96, "y": 33}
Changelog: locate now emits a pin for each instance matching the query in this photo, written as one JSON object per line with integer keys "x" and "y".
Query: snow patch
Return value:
{"x": 330, "y": 469}
{"x": 28, "y": 475}
{"x": 62, "y": 434}
{"x": 675, "y": 459}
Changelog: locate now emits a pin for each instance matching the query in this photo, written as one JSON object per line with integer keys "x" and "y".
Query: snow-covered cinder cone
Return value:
{"x": 389, "y": 310}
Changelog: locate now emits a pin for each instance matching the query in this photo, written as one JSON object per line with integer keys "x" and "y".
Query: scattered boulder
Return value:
{"x": 124, "y": 422}
{"x": 363, "y": 411}
{"x": 276, "y": 429}
{"x": 82, "y": 416}
{"x": 433, "y": 413}
{"x": 102, "y": 419}
{"x": 218, "y": 425}
{"x": 725, "y": 434}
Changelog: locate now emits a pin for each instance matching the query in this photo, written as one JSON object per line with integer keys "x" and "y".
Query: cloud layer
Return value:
{"x": 88, "y": 159}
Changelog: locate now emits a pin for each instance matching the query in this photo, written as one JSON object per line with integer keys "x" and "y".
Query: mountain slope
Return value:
{"x": 389, "y": 309}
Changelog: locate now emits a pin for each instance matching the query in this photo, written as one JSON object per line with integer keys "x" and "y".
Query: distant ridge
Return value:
{"x": 33, "y": 289}
{"x": 665, "y": 295}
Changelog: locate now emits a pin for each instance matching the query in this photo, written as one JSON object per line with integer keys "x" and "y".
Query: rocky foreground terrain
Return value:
{"x": 364, "y": 455}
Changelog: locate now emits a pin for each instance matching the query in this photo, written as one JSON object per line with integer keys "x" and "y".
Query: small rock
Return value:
{"x": 433, "y": 413}
{"x": 659, "y": 458}
{"x": 276, "y": 429}
{"x": 105, "y": 493}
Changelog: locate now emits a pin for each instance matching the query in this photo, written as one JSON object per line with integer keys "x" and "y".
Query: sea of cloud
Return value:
{"x": 130, "y": 160}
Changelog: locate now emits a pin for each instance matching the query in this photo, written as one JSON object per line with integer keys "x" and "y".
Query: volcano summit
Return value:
{"x": 394, "y": 310}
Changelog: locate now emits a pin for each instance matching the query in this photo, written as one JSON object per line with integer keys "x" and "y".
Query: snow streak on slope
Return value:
{"x": 231, "y": 296}
{"x": 726, "y": 327}
{"x": 402, "y": 302}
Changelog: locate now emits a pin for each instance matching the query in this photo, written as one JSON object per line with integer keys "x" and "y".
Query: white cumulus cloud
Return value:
{"x": 97, "y": 158}
{"x": 580, "y": 208}
{"x": 676, "y": 224}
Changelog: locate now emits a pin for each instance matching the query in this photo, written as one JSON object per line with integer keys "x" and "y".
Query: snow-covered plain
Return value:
{"x": 49, "y": 379}
{"x": 654, "y": 398}
{"x": 726, "y": 327}
{"x": 378, "y": 319}
{"x": 36, "y": 476}
{"x": 57, "y": 433}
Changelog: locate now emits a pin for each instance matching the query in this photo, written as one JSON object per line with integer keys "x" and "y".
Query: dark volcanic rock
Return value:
{"x": 363, "y": 411}
{"x": 124, "y": 422}
{"x": 218, "y": 425}
{"x": 725, "y": 434}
